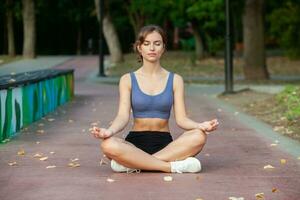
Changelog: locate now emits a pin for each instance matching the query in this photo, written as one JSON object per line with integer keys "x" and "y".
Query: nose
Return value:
{"x": 152, "y": 47}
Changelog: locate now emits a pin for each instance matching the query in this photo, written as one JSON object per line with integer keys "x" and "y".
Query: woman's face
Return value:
{"x": 152, "y": 48}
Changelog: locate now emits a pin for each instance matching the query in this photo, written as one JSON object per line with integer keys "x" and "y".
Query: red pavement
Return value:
{"x": 233, "y": 158}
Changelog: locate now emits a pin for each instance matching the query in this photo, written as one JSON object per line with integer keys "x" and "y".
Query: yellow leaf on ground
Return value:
{"x": 44, "y": 158}
{"x": 273, "y": 145}
{"x": 50, "y": 167}
{"x": 51, "y": 119}
{"x": 236, "y": 198}
{"x": 168, "y": 178}
{"x": 38, "y": 155}
{"x": 274, "y": 190}
{"x": 260, "y": 196}
{"x": 21, "y": 152}
{"x": 269, "y": 167}
{"x": 283, "y": 161}
{"x": 74, "y": 159}
{"x": 40, "y": 131}
{"x": 12, "y": 163}
{"x": 73, "y": 165}
{"x": 52, "y": 152}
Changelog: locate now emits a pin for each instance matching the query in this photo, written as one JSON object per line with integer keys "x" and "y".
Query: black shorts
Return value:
{"x": 149, "y": 141}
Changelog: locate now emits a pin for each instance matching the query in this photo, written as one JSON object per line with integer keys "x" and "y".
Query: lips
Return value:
{"x": 151, "y": 54}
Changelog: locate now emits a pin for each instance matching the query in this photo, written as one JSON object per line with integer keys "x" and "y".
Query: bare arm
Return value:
{"x": 180, "y": 112}
{"x": 122, "y": 118}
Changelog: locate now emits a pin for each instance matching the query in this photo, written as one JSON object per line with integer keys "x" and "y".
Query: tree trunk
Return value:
{"x": 198, "y": 42}
{"x": 29, "y": 29}
{"x": 254, "y": 48}
{"x": 176, "y": 38}
{"x": 111, "y": 36}
{"x": 10, "y": 29}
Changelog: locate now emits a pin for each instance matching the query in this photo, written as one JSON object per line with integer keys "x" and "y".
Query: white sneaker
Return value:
{"x": 190, "y": 165}
{"x": 120, "y": 168}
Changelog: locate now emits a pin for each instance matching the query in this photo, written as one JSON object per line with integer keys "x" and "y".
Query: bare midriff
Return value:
{"x": 151, "y": 124}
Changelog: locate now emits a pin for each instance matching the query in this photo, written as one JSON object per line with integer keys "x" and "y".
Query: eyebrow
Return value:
{"x": 153, "y": 41}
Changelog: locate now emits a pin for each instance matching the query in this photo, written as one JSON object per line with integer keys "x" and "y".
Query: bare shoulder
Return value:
{"x": 178, "y": 81}
{"x": 125, "y": 80}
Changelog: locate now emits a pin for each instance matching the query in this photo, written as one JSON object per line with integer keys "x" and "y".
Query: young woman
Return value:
{"x": 151, "y": 92}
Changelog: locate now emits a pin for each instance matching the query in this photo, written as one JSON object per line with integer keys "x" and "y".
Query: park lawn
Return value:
{"x": 281, "y": 111}
{"x": 6, "y": 59}
{"x": 184, "y": 64}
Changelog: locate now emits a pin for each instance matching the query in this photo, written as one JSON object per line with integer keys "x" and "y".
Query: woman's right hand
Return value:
{"x": 101, "y": 133}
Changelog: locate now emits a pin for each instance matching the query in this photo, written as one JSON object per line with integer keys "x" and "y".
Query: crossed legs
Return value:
{"x": 188, "y": 144}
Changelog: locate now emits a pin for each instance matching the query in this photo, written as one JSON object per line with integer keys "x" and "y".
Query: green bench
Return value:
{"x": 27, "y": 97}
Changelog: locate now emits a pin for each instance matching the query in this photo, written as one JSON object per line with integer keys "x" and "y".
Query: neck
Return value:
{"x": 151, "y": 68}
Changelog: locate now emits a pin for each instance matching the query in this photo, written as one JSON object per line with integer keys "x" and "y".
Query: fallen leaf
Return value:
{"x": 283, "y": 161}
{"x": 268, "y": 167}
{"x": 198, "y": 199}
{"x": 274, "y": 190}
{"x": 38, "y": 142}
{"x": 12, "y": 80}
{"x": 73, "y": 165}
{"x": 207, "y": 154}
{"x": 52, "y": 152}
{"x": 44, "y": 158}
{"x": 37, "y": 155}
{"x": 12, "y": 163}
{"x": 219, "y": 110}
{"x": 51, "y": 119}
{"x": 40, "y": 124}
{"x": 168, "y": 178}
{"x": 236, "y": 198}
{"x": 74, "y": 160}
{"x": 110, "y": 180}
{"x": 71, "y": 121}
{"x": 50, "y": 167}
{"x": 21, "y": 152}
{"x": 40, "y": 131}
{"x": 259, "y": 196}
{"x": 278, "y": 128}
{"x": 273, "y": 145}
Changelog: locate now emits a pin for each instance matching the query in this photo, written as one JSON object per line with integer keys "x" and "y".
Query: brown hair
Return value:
{"x": 142, "y": 35}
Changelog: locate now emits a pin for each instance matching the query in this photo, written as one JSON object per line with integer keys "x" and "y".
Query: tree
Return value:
{"x": 284, "y": 23}
{"x": 10, "y": 28}
{"x": 29, "y": 29}
{"x": 110, "y": 34}
{"x": 254, "y": 48}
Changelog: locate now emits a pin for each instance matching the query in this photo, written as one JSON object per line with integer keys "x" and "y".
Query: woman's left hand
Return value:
{"x": 209, "y": 126}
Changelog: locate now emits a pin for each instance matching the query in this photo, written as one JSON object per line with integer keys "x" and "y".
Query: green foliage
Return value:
{"x": 290, "y": 99}
{"x": 284, "y": 25}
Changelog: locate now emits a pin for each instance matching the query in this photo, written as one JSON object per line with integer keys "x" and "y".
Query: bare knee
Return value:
{"x": 111, "y": 147}
{"x": 198, "y": 138}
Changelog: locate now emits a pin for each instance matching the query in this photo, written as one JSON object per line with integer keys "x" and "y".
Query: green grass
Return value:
{"x": 289, "y": 99}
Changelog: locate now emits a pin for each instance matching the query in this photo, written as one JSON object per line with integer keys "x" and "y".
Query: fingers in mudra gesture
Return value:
{"x": 101, "y": 133}
{"x": 209, "y": 126}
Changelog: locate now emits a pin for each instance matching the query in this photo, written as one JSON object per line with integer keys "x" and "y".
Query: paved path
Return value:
{"x": 233, "y": 160}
